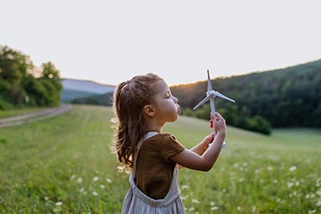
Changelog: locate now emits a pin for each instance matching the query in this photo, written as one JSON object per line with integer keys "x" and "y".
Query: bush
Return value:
{"x": 259, "y": 124}
{"x": 4, "y": 105}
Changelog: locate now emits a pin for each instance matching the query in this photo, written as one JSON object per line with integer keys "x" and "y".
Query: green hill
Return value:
{"x": 289, "y": 97}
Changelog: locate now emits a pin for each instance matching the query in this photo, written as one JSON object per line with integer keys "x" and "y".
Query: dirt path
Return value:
{"x": 32, "y": 117}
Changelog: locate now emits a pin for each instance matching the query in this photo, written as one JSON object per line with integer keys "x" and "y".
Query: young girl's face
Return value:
{"x": 165, "y": 104}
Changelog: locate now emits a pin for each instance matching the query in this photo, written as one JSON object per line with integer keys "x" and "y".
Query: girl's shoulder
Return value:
{"x": 164, "y": 143}
{"x": 163, "y": 137}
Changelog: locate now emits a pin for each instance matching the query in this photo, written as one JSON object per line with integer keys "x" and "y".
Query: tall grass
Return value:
{"x": 64, "y": 165}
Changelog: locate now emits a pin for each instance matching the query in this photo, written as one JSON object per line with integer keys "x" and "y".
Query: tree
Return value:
{"x": 14, "y": 68}
{"x": 19, "y": 86}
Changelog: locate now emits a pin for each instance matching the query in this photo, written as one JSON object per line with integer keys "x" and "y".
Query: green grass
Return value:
{"x": 64, "y": 165}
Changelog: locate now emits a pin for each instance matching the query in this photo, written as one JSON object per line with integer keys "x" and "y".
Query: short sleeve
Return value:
{"x": 170, "y": 146}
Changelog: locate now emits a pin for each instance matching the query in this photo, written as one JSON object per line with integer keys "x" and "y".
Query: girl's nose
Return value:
{"x": 175, "y": 100}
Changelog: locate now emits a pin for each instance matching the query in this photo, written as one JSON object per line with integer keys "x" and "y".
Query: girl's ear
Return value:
{"x": 149, "y": 110}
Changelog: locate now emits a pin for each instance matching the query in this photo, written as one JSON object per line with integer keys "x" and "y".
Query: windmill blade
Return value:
{"x": 223, "y": 96}
{"x": 209, "y": 84}
{"x": 202, "y": 102}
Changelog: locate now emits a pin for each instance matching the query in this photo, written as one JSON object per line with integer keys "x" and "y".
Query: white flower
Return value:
{"x": 72, "y": 177}
{"x": 79, "y": 180}
{"x": 95, "y": 193}
{"x": 108, "y": 180}
{"x": 95, "y": 179}
{"x": 191, "y": 209}
{"x": 102, "y": 186}
{"x": 58, "y": 203}
{"x": 292, "y": 168}
{"x": 214, "y": 208}
{"x": 185, "y": 187}
{"x": 195, "y": 201}
{"x": 290, "y": 184}
{"x": 184, "y": 197}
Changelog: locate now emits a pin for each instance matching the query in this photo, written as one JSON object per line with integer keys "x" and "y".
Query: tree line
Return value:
{"x": 23, "y": 84}
{"x": 289, "y": 97}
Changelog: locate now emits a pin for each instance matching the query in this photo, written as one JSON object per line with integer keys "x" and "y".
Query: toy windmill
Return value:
{"x": 210, "y": 95}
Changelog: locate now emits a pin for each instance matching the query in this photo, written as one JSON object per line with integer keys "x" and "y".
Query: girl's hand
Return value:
{"x": 218, "y": 122}
{"x": 208, "y": 139}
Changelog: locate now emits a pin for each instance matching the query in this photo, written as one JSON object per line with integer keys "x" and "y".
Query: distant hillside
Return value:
{"x": 288, "y": 97}
{"x": 73, "y": 89}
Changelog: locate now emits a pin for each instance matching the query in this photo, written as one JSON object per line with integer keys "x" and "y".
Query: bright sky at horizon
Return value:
{"x": 111, "y": 41}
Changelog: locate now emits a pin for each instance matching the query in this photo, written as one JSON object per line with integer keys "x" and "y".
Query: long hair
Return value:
{"x": 129, "y": 99}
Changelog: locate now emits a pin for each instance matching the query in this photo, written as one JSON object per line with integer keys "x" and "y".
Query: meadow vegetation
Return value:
{"x": 64, "y": 165}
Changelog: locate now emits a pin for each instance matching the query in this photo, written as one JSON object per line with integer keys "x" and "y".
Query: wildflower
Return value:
{"x": 184, "y": 187}
{"x": 214, "y": 208}
{"x": 195, "y": 201}
{"x": 95, "y": 179}
{"x": 191, "y": 209}
{"x": 102, "y": 186}
{"x": 79, "y": 180}
{"x": 72, "y": 177}
{"x": 95, "y": 193}
{"x": 108, "y": 180}
{"x": 292, "y": 168}
{"x": 290, "y": 184}
{"x": 58, "y": 203}
{"x": 184, "y": 197}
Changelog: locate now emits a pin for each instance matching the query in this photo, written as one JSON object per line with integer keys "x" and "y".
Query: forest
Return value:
{"x": 22, "y": 84}
{"x": 289, "y": 97}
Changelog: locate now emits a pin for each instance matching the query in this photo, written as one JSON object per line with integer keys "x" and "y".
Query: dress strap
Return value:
{"x": 146, "y": 136}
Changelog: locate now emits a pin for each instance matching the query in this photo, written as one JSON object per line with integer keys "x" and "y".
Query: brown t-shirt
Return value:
{"x": 154, "y": 172}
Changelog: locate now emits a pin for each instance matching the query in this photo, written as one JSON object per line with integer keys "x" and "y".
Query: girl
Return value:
{"x": 142, "y": 106}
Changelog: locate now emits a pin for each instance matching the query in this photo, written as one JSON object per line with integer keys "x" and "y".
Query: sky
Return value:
{"x": 109, "y": 41}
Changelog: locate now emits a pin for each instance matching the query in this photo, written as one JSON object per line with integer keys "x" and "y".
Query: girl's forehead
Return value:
{"x": 160, "y": 86}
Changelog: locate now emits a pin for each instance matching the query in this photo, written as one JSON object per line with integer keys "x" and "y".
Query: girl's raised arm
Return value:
{"x": 204, "y": 162}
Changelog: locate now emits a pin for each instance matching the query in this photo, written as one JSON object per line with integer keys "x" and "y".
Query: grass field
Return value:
{"x": 64, "y": 165}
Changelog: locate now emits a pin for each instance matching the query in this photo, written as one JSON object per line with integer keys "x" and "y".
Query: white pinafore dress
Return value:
{"x": 136, "y": 202}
